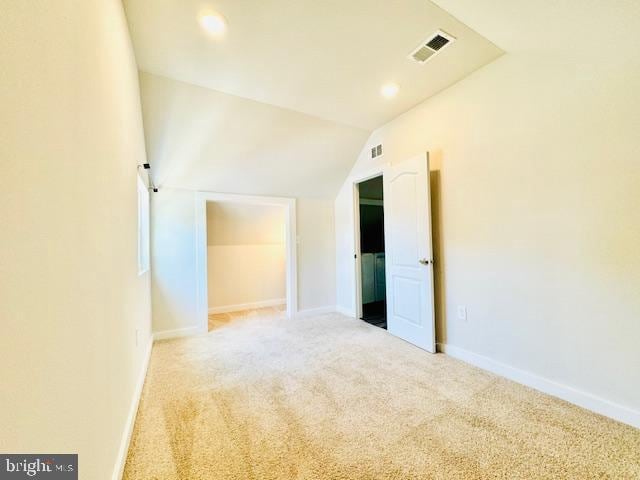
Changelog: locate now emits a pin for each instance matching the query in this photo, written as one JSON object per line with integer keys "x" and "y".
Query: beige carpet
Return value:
{"x": 334, "y": 398}
{"x": 217, "y": 320}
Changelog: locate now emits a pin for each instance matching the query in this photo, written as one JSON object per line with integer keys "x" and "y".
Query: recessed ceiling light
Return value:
{"x": 389, "y": 90}
{"x": 213, "y": 23}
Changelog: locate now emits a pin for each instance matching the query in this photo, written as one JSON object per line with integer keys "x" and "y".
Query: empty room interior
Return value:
{"x": 246, "y": 261}
{"x": 313, "y": 239}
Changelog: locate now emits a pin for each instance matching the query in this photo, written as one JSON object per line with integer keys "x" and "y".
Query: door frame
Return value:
{"x": 202, "y": 291}
{"x": 373, "y": 173}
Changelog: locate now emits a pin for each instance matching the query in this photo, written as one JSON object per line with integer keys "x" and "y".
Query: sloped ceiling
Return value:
{"x": 601, "y": 29}
{"x": 200, "y": 139}
{"x": 285, "y": 101}
{"x": 324, "y": 58}
{"x": 244, "y": 224}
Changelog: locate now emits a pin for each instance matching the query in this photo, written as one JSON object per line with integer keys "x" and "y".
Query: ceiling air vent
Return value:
{"x": 376, "y": 151}
{"x": 437, "y": 42}
{"x": 431, "y": 46}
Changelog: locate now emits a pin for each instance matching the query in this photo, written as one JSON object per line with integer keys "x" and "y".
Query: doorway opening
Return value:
{"x": 373, "y": 305}
{"x": 224, "y": 240}
{"x": 402, "y": 233}
{"x": 246, "y": 261}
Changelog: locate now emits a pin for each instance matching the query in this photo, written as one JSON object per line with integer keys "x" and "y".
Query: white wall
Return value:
{"x": 173, "y": 257}
{"x": 202, "y": 140}
{"x": 537, "y": 165}
{"x": 70, "y": 296}
{"x": 173, "y": 260}
{"x": 246, "y": 255}
{"x": 316, "y": 254}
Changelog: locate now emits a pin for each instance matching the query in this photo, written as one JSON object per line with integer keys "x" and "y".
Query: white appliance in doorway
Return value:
{"x": 409, "y": 255}
{"x": 373, "y": 277}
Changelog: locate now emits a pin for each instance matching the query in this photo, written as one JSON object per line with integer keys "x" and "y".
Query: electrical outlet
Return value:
{"x": 462, "y": 313}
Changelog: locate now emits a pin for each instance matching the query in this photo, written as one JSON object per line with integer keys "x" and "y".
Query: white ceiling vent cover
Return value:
{"x": 431, "y": 46}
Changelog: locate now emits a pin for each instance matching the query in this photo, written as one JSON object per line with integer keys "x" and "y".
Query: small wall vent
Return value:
{"x": 376, "y": 151}
{"x": 431, "y": 46}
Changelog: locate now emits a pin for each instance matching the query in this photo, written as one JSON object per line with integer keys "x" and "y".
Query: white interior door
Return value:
{"x": 409, "y": 262}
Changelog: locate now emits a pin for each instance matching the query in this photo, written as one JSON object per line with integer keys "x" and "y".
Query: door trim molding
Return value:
{"x": 377, "y": 171}
{"x": 289, "y": 205}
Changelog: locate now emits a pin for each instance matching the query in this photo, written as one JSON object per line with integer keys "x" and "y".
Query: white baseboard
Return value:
{"x": 121, "y": 459}
{"x": 345, "y": 311}
{"x": 178, "y": 332}
{"x": 315, "y": 311}
{"x": 570, "y": 394}
{"x": 246, "y": 306}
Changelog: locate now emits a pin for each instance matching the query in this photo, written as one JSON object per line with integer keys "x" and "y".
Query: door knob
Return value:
{"x": 424, "y": 261}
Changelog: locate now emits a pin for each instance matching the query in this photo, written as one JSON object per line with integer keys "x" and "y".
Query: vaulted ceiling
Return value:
{"x": 200, "y": 139}
{"x": 600, "y": 29}
{"x": 284, "y": 101}
{"x": 324, "y": 58}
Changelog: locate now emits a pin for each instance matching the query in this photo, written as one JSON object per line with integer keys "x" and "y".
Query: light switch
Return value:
{"x": 462, "y": 313}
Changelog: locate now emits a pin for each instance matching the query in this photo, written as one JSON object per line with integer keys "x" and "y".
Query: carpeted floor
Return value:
{"x": 218, "y": 320}
{"x": 328, "y": 397}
